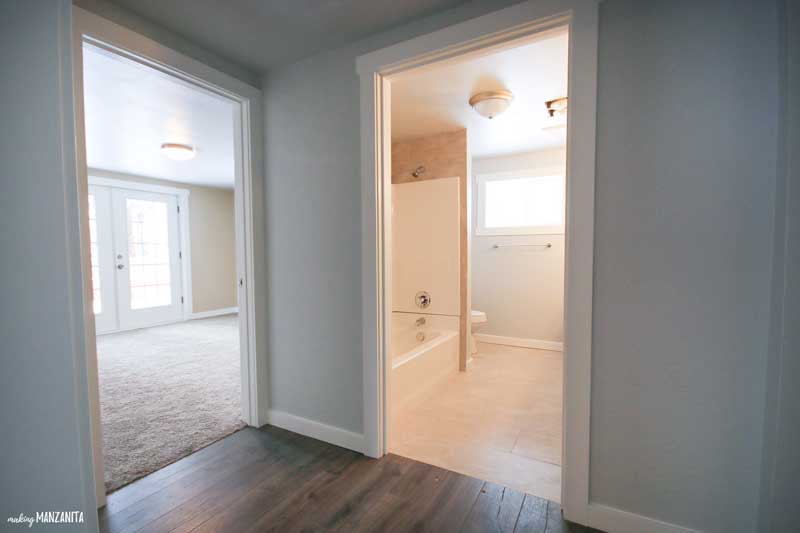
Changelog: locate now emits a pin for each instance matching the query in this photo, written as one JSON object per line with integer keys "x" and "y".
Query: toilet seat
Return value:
{"x": 476, "y": 317}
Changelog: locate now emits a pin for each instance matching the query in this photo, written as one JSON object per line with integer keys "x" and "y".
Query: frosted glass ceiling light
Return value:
{"x": 177, "y": 152}
{"x": 489, "y": 104}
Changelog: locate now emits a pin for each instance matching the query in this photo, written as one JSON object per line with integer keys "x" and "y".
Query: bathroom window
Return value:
{"x": 519, "y": 204}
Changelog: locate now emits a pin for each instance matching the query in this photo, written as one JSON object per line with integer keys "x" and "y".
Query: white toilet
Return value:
{"x": 477, "y": 318}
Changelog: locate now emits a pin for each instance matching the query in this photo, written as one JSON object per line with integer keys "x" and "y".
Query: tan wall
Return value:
{"x": 213, "y": 243}
{"x": 213, "y": 239}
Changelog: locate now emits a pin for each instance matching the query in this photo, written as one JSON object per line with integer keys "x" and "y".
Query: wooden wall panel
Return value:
{"x": 444, "y": 155}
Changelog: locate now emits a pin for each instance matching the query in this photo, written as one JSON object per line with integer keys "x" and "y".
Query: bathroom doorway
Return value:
{"x": 507, "y": 29}
{"x": 477, "y": 261}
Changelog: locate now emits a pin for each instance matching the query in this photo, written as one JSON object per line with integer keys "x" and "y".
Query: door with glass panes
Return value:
{"x": 136, "y": 278}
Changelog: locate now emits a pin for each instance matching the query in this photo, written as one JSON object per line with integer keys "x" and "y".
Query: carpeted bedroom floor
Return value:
{"x": 165, "y": 392}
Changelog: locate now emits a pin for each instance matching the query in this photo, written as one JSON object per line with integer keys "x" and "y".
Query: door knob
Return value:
{"x": 120, "y": 267}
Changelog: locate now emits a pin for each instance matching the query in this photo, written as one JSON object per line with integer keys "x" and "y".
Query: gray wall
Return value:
{"x": 686, "y": 168}
{"x": 313, "y": 199}
{"x": 155, "y": 31}
{"x": 685, "y": 188}
{"x": 45, "y": 453}
{"x": 781, "y": 467}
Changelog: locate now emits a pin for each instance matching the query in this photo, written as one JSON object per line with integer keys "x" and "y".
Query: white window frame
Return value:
{"x": 480, "y": 205}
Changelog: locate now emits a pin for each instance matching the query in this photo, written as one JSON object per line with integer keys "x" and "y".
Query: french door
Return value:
{"x": 136, "y": 275}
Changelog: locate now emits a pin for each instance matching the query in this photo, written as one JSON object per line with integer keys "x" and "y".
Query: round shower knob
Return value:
{"x": 422, "y": 299}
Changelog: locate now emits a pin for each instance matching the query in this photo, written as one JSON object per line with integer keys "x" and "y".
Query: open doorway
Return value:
{"x": 504, "y": 29}
{"x": 171, "y": 207}
{"x": 161, "y": 164}
{"x": 477, "y": 264}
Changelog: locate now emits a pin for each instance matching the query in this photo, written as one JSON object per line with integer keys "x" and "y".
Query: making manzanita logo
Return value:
{"x": 48, "y": 517}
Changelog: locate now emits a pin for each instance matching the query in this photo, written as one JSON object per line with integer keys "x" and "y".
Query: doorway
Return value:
{"x": 168, "y": 357}
{"x": 140, "y": 231}
{"x": 481, "y": 36}
{"x": 497, "y": 417}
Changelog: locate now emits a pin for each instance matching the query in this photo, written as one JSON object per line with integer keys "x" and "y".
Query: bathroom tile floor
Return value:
{"x": 500, "y": 421}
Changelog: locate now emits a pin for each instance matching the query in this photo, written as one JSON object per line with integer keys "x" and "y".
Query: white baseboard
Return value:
{"x": 520, "y": 342}
{"x": 618, "y": 521}
{"x": 317, "y": 430}
{"x": 214, "y": 312}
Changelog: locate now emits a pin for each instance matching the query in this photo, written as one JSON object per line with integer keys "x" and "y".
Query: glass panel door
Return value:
{"x": 146, "y": 260}
{"x": 102, "y": 254}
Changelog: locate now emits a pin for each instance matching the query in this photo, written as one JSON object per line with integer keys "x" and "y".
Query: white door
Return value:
{"x": 104, "y": 289}
{"x": 146, "y": 258}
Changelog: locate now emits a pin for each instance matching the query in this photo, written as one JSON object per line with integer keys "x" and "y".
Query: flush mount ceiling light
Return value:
{"x": 489, "y": 104}
{"x": 177, "y": 152}
{"x": 557, "y": 113}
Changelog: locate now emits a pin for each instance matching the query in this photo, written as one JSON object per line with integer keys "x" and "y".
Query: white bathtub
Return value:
{"x": 417, "y": 365}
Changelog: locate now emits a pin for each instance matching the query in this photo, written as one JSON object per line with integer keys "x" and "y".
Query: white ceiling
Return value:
{"x": 435, "y": 99}
{"x": 131, "y": 110}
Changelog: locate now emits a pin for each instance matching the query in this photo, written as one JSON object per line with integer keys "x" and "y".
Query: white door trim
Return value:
{"x": 249, "y": 184}
{"x": 490, "y": 32}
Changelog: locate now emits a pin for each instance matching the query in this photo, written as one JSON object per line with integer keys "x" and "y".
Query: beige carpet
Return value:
{"x": 166, "y": 392}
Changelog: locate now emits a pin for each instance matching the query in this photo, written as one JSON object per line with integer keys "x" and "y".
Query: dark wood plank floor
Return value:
{"x": 270, "y": 479}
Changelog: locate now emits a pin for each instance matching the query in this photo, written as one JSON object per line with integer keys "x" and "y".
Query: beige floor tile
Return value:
{"x": 499, "y": 421}
{"x": 540, "y": 444}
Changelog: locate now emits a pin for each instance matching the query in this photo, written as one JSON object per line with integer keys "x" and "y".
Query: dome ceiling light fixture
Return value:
{"x": 178, "y": 152}
{"x": 489, "y": 104}
{"x": 556, "y": 113}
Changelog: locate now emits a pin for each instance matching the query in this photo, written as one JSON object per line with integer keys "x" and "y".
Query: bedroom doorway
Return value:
{"x": 168, "y": 194}
{"x": 162, "y": 238}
